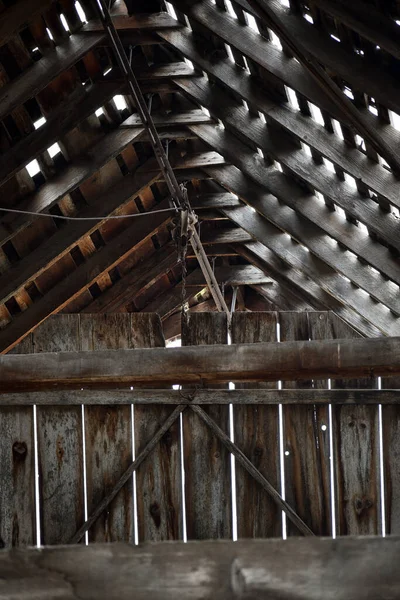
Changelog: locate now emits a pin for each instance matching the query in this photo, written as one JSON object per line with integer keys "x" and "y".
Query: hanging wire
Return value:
{"x": 100, "y": 218}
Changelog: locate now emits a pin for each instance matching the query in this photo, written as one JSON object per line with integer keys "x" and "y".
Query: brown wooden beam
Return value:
{"x": 202, "y": 364}
{"x": 349, "y": 568}
{"x": 86, "y": 274}
{"x": 18, "y": 16}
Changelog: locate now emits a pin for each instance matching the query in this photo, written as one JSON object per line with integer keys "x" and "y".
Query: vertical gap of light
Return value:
{"x": 381, "y": 466}
{"x": 36, "y": 466}
{"x": 135, "y": 513}
{"x": 233, "y": 461}
{"x": 281, "y": 444}
{"x": 85, "y": 498}
{"x": 332, "y": 467}
{"x": 184, "y": 529}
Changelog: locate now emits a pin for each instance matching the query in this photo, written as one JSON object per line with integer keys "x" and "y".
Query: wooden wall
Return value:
{"x": 102, "y": 441}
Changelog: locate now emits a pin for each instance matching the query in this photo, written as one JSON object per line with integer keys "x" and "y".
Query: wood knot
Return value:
{"x": 155, "y": 514}
{"x": 20, "y": 450}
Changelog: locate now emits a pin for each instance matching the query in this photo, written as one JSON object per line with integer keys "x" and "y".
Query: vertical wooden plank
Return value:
{"x": 108, "y": 435}
{"x": 305, "y": 474}
{"x": 356, "y": 436}
{"x": 391, "y": 459}
{"x": 206, "y": 461}
{"x": 17, "y": 493}
{"x": 60, "y": 444}
{"x": 158, "y": 480}
{"x": 256, "y": 430}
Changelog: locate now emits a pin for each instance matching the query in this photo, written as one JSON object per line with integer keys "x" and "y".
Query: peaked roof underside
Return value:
{"x": 298, "y": 205}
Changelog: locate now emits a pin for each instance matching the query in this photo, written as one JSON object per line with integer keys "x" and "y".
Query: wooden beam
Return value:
{"x": 141, "y": 21}
{"x": 83, "y": 277}
{"x": 142, "y": 277}
{"x": 371, "y": 24}
{"x": 349, "y": 568}
{"x": 196, "y": 364}
{"x": 298, "y": 257}
{"x": 257, "y": 135}
{"x": 308, "y": 289}
{"x": 41, "y": 73}
{"x": 65, "y": 55}
{"x": 329, "y": 145}
{"x": 18, "y": 16}
{"x": 253, "y": 45}
{"x": 202, "y": 397}
{"x": 63, "y": 240}
{"x": 231, "y": 275}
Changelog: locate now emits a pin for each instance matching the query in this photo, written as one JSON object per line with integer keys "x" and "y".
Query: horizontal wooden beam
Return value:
{"x": 141, "y": 22}
{"x": 197, "y": 364}
{"x": 203, "y": 397}
{"x": 231, "y": 275}
{"x": 348, "y": 568}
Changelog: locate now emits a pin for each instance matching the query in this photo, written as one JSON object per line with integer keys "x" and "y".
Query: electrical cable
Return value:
{"x": 103, "y": 218}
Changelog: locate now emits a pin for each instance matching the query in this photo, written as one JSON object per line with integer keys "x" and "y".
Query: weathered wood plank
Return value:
{"x": 391, "y": 457}
{"x": 298, "y": 257}
{"x": 83, "y": 277}
{"x": 108, "y": 434}
{"x": 294, "y": 569}
{"x": 356, "y": 449}
{"x": 60, "y": 444}
{"x": 159, "y": 491}
{"x": 206, "y": 461}
{"x": 354, "y": 162}
{"x": 18, "y": 16}
{"x": 306, "y": 475}
{"x": 17, "y": 471}
{"x": 256, "y": 433}
{"x": 203, "y": 396}
{"x": 340, "y": 358}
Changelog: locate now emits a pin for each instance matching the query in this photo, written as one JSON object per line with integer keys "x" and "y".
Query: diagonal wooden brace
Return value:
{"x": 128, "y": 473}
{"x": 250, "y": 468}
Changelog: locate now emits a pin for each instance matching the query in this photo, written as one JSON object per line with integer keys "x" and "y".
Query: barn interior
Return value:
{"x": 199, "y": 299}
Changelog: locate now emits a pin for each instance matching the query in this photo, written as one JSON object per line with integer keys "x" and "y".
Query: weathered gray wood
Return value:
{"x": 246, "y": 362}
{"x": 295, "y": 569}
{"x": 108, "y": 433}
{"x": 306, "y": 476}
{"x": 297, "y": 256}
{"x": 391, "y": 460}
{"x": 159, "y": 480}
{"x": 304, "y": 287}
{"x": 203, "y": 396}
{"x": 354, "y": 162}
{"x": 206, "y": 461}
{"x": 127, "y": 475}
{"x": 313, "y": 220}
{"x": 252, "y": 470}
{"x": 356, "y": 448}
{"x": 17, "y": 475}
{"x": 60, "y": 444}
{"x": 256, "y": 430}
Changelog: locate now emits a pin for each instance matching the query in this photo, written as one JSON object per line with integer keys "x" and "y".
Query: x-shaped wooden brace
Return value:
{"x": 224, "y": 439}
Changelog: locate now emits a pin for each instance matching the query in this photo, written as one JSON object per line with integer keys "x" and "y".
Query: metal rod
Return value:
{"x": 158, "y": 148}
